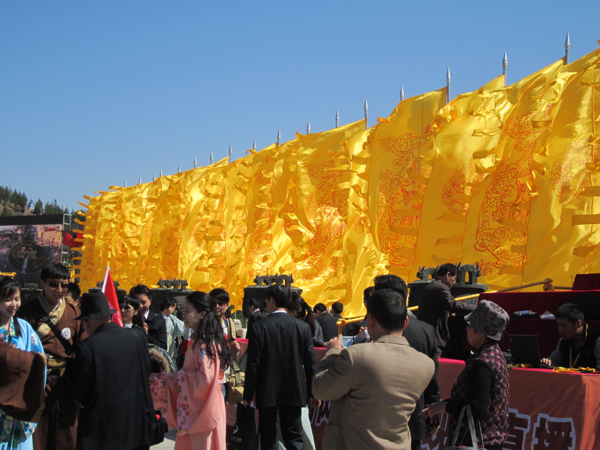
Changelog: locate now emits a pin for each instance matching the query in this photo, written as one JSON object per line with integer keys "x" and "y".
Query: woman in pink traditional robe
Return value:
{"x": 191, "y": 398}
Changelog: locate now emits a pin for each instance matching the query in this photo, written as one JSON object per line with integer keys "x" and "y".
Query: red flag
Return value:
{"x": 69, "y": 239}
{"x": 111, "y": 294}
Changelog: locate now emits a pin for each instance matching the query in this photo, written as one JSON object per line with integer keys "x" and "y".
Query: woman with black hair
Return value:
{"x": 130, "y": 308}
{"x": 15, "y": 434}
{"x": 304, "y": 312}
{"x": 192, "y": 396}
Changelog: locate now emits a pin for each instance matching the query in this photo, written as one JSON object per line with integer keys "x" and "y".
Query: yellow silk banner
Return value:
{"x": 498, "y": 225}
{"x": 507, "y": 177}
{"x": 563, "y": 238}
{"x": 454, "y": 178}
{"x": 401, "y": 161}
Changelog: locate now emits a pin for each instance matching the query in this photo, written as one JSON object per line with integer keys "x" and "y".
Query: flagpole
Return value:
{"x": 448, "y": 78}
{"x": 105, "y": 278}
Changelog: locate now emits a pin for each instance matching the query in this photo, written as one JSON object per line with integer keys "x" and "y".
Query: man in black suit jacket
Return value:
{"x": 436, "y": 301}
{"x": 421, "y": 337}
{"x": 155, "y": 325}
{"x": 327, "y": 321}
{"x": 280, "y": 352}
{"x": 108, "y": 382}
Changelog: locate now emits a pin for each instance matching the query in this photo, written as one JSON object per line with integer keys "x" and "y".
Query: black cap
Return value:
{"x": 94, "y": 306}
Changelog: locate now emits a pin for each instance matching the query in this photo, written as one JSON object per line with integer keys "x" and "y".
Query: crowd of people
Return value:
{"x": 71, "y": 378}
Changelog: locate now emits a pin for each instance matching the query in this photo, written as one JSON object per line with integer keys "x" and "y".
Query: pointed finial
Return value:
{"x": 153, "y": 177}
{"x": 278, "y": 137}
{"x": 160, "y": 173}
{"x": 308, "y": 128}
{"x": 179, "y": 168}
{"x": 567, "y": 48}
{"x": 195, "y": 162}
{"x": 505, "y": 63}
{"x": 254, "y": 145}
{"x": 337, "y": 118}
{"x": 402, "y": 93}
{"x": 125, "y": 184}
{"x": 230, "y": 151}
{"x": 366, "y": 114}
{"x": 448, "y": 78}
{"x": 211, "y": 157}
{"x": 140, "y": 182}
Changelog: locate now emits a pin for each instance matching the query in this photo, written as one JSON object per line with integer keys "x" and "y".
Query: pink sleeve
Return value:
{"x": 195, "y": 402}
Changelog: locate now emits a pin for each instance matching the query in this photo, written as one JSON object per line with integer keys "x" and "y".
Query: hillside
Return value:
{"x": 14, "y": 203}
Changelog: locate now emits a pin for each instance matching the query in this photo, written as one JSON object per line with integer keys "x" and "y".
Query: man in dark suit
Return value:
{"x": 280, "y": 352}
{"x": 337, "y": 308}
{"x": 108, "y": 382}
{"x": 327, "y": 321}
{"x": 254, "y": 308}
{"x": 155, "y": 325}
{"x": 436, "y": 301}
{"x": 421, "y": 337}
{"x": 354, "y": 328}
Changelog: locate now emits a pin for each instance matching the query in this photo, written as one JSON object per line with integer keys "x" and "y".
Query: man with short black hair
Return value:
{"x": 254, "y": 308}
{"x": 579, "y": 344}
{"x": 154, "y": 324}
{"x": 327, "y": 321}
{"x": 52, "y": 316}
{"x": 421, "y": 337}
{"x": 354, "y": 328}
{"x": 337, "y": 308}
{"x": 108, "y": 381}
{"x": 280, "y": 353}
{"x": 436, "y": 301}
{"x": 175, "y": 326}
{"x": 386, "y": 376}
{"x": 74, "y": 293}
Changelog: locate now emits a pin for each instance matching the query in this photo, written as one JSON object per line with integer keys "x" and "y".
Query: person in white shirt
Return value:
{"x": 175, "y": 326}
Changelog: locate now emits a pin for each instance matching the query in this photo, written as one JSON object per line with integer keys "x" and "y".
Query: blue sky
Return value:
{"x": 95, "y": 93}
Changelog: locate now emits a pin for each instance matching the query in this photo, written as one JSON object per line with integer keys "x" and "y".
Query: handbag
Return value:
{"x": 472, "y": 431}
{"x": 157, "y": 424}
{"x": 244, "y": 431}
{"x": 235, "y": 385}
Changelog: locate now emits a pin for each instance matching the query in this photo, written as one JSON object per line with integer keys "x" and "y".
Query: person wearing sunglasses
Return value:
{"x": 53, "y": 319}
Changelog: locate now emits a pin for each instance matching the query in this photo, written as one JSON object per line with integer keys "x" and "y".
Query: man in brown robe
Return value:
{"x": 53, "y": 318}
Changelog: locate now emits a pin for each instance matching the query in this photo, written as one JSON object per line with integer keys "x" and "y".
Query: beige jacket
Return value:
{"x": 373, "y": 388}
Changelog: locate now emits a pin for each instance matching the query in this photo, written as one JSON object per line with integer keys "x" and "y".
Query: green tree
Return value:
{"x": 5, "y": 212}
{"x": 39, "y": 207}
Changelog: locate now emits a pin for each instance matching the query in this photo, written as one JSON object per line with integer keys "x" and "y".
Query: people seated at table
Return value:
{"x": 579, "y": 344}
{"x": 484, "y": 383}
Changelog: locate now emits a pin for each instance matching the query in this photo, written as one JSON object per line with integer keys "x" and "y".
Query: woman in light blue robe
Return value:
{"x": 15, "y": 434}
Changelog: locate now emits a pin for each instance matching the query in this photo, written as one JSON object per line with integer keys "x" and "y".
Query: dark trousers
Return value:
{"x": 290, "y": 418}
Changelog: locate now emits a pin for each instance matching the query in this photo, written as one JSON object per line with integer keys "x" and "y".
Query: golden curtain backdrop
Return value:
{"x": 507, "y": 177}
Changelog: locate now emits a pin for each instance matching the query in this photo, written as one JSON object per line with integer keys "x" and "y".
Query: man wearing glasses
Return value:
{"x": 53, "y": 318}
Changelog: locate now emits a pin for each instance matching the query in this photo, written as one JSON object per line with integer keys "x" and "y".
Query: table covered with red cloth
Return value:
{"x": 538, "y": 302}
